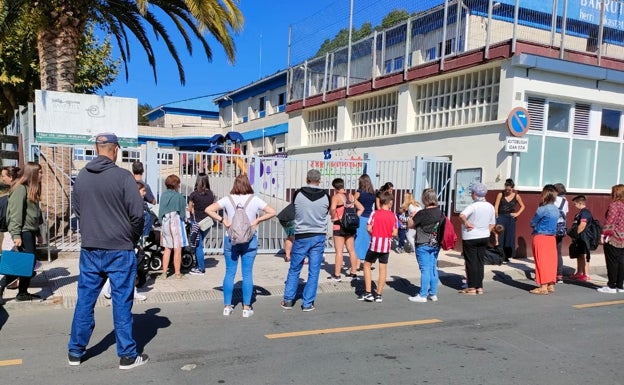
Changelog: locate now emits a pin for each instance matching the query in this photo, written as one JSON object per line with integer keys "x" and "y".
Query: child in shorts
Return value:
{"x": 382, "y": 226}
{"x": 579, "y": 248}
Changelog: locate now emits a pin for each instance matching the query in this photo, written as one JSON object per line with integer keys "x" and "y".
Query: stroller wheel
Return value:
{"x": 187, "y": 260}
{"x": 155, "y": 263}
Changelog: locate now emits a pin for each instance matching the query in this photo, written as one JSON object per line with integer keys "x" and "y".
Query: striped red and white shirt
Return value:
{"x": 383, "y": 223}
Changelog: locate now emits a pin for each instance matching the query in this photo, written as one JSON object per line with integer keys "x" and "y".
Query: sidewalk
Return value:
{"x": 57, "y": 281}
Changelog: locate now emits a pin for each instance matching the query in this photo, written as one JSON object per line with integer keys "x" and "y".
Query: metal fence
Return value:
{"x": 437, "y": 31}
{"x": 273, "y": 179}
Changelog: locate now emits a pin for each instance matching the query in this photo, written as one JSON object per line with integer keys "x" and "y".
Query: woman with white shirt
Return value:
{"x": 241, "y": 194}
{"x": 478, "y": 219}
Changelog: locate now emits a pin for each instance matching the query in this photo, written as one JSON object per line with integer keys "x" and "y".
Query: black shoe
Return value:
{"x": 129, "y": 362}
{"x": 287, "y": 305}
{"x": 308, "y": 308}
{"x": 335, "y": 278}
{"x": 73, "y": 360}
{"x": 23, "y": 297}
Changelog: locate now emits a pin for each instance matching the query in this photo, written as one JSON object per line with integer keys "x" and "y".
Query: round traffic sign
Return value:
{"x": 518, "y": 121}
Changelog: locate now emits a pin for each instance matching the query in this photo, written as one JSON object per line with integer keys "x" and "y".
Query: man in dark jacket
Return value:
{"x": 311, "y": 208}
{"x": 110, "y": 210}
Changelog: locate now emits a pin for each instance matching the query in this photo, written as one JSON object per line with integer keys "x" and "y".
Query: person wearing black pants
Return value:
{"x": 24, "y": 217}
{"x": 613, "y": 239}
{"x": 478, "y": 220}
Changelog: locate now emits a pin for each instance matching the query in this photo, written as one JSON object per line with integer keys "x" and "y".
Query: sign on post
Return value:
{"x": 513, "y": 144}
{"x": 518, "y": 121}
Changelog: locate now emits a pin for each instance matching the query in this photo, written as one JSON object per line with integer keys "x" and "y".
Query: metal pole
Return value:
{"x": 515, "y": 27}
{"x": 553, "y": 25}
{"x": 488, "y": 32}
{"x": 601, "y": 30}
{"x": 374, "y": 54}
{"x": 408, "y": 43}
{"x": 444, "y": 26}
{"x": 289, "y": 46}
{"x": 563, "y": 28}
{"x": 457, "y": 26}
{"x": 349, "y": 47}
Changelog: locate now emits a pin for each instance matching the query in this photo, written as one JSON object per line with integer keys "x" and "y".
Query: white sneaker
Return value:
{"x": 607, "y": 289}
{"x": 620, "y": 290}
{"x": 417, "y": 298}
{"x": 247, "y": 313}
{"x": 433, "y": 298}
{"x": 140, "y": 297}
{"x": 228, "y": 310}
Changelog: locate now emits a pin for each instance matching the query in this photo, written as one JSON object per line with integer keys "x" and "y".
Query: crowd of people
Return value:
{"x": 108, "y": 260}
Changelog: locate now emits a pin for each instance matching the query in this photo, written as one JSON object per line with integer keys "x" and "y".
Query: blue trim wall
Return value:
{"x": 268, "y": 132}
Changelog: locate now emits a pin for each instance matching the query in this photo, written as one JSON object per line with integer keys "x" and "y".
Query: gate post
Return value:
{"x": 153, "y": 172}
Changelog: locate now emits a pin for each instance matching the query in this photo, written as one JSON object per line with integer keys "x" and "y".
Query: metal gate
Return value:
{"x": 274, "y": 179}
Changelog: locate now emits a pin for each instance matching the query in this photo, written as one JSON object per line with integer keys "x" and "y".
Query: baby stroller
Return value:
{"x": 153, "y": 252}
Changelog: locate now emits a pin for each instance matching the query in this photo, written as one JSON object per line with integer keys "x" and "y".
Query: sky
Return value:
{"x": 261, "y": 50}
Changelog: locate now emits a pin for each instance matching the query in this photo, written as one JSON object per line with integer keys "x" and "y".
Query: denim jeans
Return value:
{"x": 246, "y": 252}
{"x": 95, "y": 265}
{"x": 199, "y": 250}
{"x": 313, "y": 248}
{"x": 427, "y": 257}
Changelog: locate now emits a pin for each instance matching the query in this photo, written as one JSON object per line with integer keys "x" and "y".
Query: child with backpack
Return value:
{"x": 580, "y": 246}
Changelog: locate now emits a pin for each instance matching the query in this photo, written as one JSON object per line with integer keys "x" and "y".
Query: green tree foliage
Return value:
{"x": 143, "y": 109}
{"x": 19, "y": 66}
{"x": 60, "y": 24}
{"x": 341, "y": 39}
{"x": 395, "y": 17}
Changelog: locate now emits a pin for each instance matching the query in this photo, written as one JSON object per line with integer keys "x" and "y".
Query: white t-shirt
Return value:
{"x": 256, "y": 204}
{"x": 564, "y": 208}
{"x": 481, "y": 215}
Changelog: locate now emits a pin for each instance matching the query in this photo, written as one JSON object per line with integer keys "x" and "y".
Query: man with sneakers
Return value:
{"x": 311, "y": 208}
{"x": 110, "y": 210}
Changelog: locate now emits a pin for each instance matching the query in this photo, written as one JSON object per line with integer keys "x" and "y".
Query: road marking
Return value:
{"x": 351, "y": 328}
{"x": 10, "y": 362}
{"x": 597, "y": 304}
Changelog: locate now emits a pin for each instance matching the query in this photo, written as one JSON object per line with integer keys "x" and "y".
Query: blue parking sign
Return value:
{"x": 518, "y": 121}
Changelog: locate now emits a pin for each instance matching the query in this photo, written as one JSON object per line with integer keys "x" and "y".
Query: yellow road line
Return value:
{"x": 10, "y": 362}
{"x": 351, "y": 328}
{"x": 597, "y": 304}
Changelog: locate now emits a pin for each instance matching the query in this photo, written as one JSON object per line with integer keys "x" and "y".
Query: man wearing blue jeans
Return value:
{"x": 311, "y": 209}
{"x": 109, "y": 207}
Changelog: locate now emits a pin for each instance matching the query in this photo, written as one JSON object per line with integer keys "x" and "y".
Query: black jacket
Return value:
{"x": 107, "y": 202}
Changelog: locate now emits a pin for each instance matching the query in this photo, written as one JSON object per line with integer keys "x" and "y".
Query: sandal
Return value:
{"x": 479, "y": 291}
{"x": 539, "y": 290}
{"x": 467, "y": 291}
{"x": 550, "y": 288}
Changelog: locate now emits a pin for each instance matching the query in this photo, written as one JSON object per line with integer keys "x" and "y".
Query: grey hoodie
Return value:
{"x": 107, "y": 202}
{"x": 311, "y": 209}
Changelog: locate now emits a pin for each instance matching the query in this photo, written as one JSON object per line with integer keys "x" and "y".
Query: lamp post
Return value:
{"x": 232, "y": 111}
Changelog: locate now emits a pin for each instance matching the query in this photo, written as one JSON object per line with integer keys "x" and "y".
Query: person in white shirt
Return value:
{"x": 241, "y": 194}
{"x": 478, "y": 220}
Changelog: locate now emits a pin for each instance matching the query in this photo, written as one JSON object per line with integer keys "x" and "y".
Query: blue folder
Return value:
{"x": 17, "y": 263}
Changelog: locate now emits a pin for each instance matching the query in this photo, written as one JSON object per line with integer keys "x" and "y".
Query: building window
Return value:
{"x": 558, "y": 117}
{"x": 322, "y": 125}
{"x": 610, "y": 123}
{"x": 130, "y": 156}
{"x": 388, "y": 65}
{"x": 281, "y": 99}
{"x": 261, "y": 104}
{"x": 165, "y": 158}
{"x": 459, "y": 100}
{"x": 432, "y": 53}
{"x": 398, "y": 63}
{"x": 375, "y": 116}
{"x": 84, "y": 154}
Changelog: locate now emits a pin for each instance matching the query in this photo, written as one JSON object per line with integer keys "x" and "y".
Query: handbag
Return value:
{"x": 17, "y": 263}
{"x": 206, "y": 223}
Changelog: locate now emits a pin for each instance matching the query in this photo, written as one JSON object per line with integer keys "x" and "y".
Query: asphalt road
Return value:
{"x": 505, "y": 336}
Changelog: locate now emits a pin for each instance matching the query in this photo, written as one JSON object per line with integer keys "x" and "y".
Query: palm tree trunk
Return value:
{"x": 58, "y": 48}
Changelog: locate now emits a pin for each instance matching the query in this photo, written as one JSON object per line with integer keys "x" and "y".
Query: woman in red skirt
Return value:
{"x": 544, "y": 224}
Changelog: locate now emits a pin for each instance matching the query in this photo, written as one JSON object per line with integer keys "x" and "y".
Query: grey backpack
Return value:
{"x": 240, "y": 230}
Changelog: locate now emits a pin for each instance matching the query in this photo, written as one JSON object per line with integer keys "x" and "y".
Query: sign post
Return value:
{"x": 518, "y": 123}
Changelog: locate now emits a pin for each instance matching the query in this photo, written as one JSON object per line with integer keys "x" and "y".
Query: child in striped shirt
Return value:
{"x": 382, "y": 225}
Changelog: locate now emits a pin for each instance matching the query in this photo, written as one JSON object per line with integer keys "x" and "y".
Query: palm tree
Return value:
{"x": 61, "y": 23}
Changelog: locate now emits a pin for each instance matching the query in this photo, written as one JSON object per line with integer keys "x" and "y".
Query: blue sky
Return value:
{"x": 266, "y": 24}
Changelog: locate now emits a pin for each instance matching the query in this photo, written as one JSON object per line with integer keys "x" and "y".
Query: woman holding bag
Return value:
{"x": 24, "y": 218}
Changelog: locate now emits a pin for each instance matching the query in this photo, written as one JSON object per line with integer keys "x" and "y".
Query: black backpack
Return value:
{"x": 4, "y": 224}
{"x": 593, "y": 229}
{"x": 349, "y": 222}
